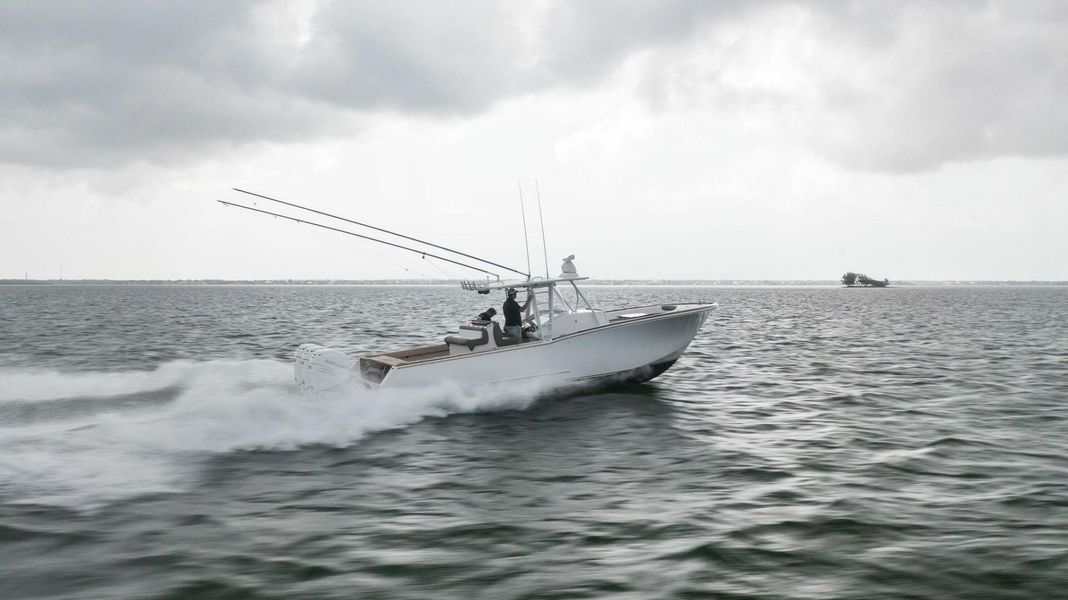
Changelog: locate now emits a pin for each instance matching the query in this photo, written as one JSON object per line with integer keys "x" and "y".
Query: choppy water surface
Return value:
{"x": 812, "y": 443}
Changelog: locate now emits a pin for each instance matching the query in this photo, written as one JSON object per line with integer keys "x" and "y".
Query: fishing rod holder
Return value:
{"x": 482, "y": 287}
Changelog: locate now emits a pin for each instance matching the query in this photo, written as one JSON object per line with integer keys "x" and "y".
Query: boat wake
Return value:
{"x": 81, "y": 440}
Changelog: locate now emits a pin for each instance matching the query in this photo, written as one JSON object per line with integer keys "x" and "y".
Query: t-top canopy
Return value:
{"x": 487, "y": 286}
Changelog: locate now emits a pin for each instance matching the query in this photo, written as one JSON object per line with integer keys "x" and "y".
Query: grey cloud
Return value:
{"x": 957, "y": 82}
{"x": 103, "y": 83}
{"x": 583, "y": 39}
{"x": 901, "y": 87}
{"x": 424, "y": 57}
{"x": 94, "y": 84}
{"x": 462, "y": 57}
{"x": 106, "y": 83}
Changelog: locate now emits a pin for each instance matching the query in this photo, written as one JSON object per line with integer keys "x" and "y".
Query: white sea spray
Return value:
{"x": 80, "y": 460}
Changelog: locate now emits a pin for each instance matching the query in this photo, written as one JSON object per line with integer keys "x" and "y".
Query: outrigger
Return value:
{"x": 566, "y": 341}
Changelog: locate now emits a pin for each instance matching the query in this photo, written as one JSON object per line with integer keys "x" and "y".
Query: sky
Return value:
{"x": 670, "y": 139}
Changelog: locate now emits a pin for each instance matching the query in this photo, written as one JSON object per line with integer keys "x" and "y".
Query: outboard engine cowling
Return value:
{"x": 317, "y": 368}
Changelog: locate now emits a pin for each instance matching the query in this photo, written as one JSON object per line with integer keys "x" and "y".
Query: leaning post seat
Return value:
{"x": 468, "y": 339}
{"x": 500, "y": 339}
{"x": 470, "y": 336}
{"x": 476, "y": 337}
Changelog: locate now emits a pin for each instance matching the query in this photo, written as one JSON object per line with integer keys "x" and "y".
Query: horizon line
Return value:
{"x": 591, "y": 281}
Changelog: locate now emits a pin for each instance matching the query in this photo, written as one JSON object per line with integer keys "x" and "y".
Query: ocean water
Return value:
{"x": 812, "y": 443}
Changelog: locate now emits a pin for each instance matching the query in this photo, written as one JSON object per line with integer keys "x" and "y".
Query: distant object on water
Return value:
{"x": 852, "y": 279}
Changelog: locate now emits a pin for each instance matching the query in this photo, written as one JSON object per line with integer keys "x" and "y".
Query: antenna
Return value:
{"x": 525, "y": 240}
{"x": 544, "y": 249}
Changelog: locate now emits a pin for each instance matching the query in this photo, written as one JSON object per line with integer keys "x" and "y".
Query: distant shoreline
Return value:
{"x": 449, "y": 282}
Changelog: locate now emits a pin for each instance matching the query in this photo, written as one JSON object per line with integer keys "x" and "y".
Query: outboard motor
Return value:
{"x": 317, "y": 368}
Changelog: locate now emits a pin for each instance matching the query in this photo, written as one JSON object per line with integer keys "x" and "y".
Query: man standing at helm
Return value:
{"x": 513, "y": 315}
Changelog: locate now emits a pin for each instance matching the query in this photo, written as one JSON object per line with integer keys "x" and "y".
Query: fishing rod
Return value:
{"x": 366, "y": 237}
{"x": 400, "y": 235}
{"x": 526, "y": 241}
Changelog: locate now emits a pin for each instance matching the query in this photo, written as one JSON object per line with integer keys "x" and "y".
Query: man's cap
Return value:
{"x": 510, "y": 291}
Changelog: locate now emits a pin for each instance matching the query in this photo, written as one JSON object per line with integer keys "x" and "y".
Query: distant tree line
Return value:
{"x": 852, "y": 279}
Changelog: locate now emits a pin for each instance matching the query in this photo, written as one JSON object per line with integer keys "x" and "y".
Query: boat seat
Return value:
{"x": 499, "y": 337}
{"x": 460, "y": 340}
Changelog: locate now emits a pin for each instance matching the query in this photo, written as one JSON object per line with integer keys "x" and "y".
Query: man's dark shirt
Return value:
{"x": 512, "y": 315}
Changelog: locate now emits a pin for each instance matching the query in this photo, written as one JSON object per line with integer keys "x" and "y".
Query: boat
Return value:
{"x": 566, "y": 342}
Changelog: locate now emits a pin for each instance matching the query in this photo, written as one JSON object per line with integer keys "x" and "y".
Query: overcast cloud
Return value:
{"x": 880, "y": 86}
{"x": 672, "y": 139}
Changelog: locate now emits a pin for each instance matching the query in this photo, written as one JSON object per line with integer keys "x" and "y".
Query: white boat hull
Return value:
{"x": 632, "y": 350}
{"x": 638, "y": 350}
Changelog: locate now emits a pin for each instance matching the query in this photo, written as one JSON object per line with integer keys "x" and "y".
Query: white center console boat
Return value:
{"x": 566, "y": 341}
